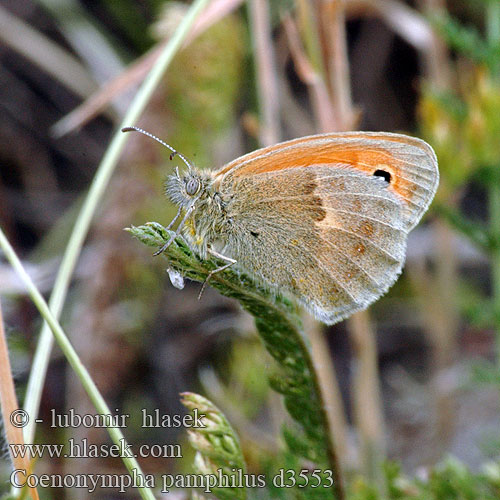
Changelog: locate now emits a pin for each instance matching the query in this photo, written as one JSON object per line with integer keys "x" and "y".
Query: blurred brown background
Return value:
{"x": 144, "y": 341}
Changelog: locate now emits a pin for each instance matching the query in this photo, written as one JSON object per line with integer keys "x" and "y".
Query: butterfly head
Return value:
{"x": 185, "y": 189}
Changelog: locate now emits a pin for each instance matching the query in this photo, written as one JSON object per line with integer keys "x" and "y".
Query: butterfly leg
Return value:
{"x": 229, "y": 261}
{"x": 178, "y": 231}
{"x": 172, "y": 222}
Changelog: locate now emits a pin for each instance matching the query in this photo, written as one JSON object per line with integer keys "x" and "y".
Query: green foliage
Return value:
{"x": 486, "y": 373}
{"x": 281, "y": 331}
{"x": 217, "y": 446}
{"x": 463, "y": 129}
{"x": 129, "y": 17}
{"x": 475, "y": 306}
{"x": 464, "y": 125}
{"x": 453, "y": 480}
{"x": 442, "y": 116}
{"x": 476, "y": 232}
{"x": 450, "y": 480}
{"x": 468, "y": 41}
{"x": 246, "y": 388}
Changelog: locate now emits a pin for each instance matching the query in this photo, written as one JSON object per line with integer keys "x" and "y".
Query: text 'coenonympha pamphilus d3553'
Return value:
{"x": 323, "y": 218}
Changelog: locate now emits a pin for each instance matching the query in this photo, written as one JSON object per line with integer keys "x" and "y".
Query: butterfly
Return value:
{"x": 324, "y": 219}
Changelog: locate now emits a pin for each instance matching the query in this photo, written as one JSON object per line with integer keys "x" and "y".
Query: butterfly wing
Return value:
{"x": 360, "y": 244}
{"x": 409, "y": 163}
{"x": 333, "y": 238}
{"x": 310, "y": 218}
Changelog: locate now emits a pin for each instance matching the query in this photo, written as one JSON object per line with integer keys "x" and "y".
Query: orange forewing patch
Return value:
{"x": 338, "y": 150}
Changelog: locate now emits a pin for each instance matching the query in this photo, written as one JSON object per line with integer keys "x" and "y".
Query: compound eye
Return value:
{"x": 192, "y": 186}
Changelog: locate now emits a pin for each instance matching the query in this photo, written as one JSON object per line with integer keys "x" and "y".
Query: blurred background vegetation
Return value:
{"x": 413, "y": 384}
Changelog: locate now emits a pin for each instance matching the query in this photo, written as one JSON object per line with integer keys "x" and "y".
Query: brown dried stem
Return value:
{"x": 333, "y": 33}
{"x": 367, "y": 405}
{"x": 9, "y": 407}
{"x": 267, "y": 81}
{"x": 320, "y": 99}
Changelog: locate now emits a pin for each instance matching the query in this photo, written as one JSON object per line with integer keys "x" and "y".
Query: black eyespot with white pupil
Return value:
{"x": 384, "y": 175}
{"x": 192, "y": 186}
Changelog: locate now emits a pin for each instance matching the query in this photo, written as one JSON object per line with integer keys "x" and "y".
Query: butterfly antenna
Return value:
{"x": 174, "y": 151}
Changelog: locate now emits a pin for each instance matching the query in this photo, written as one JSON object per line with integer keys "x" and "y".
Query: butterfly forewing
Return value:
{"x": 409, "y": 163}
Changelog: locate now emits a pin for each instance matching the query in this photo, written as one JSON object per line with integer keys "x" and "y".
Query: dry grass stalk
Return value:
{"x": 9, "y": 405}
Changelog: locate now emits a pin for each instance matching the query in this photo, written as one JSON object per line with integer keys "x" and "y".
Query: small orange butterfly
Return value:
{"x": 323, "y": 218}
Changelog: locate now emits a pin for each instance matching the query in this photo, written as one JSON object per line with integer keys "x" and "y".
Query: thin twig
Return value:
{"x": 329, "y": 386}
{"x": 326, "y": 120}
{"x": 436, "y": 56}
{"x": 332, "y": 17}
{"x": 437, "y": 304}
{"x": 493, "y": 33}
{"x": 440, "y": 287}
{"x": 367, "y": 405}
{"x": 10, "y": 409}
{"x": 366, "y": 388}
{"x": 320, "y": 99}
{"x": 267, "y": 81}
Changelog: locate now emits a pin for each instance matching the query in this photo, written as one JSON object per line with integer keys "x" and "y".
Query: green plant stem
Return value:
{"x": 331, "y": 452}
{"x": 82, "y": 224}
{"x": 73, "y": 359}
{"x": 282, "y": 334}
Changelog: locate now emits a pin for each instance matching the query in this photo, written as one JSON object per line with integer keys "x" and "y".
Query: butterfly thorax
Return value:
{"x": 205, "y": 226}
